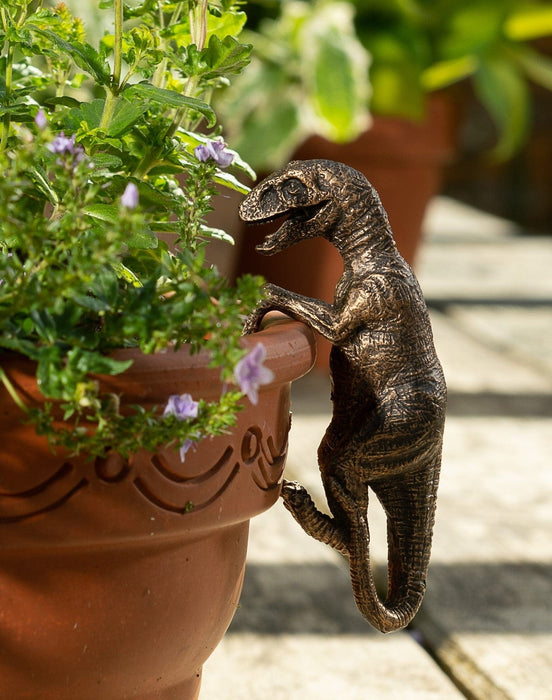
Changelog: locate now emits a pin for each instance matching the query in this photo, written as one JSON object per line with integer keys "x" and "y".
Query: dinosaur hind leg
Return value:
{"x": 409, "y": 503}
{"x": 404, "y": 597}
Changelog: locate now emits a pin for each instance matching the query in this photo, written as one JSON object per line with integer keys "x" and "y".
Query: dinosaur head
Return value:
{"x": 308, "y": 195}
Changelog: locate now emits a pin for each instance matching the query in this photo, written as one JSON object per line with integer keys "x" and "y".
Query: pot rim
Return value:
{"x": 290, "y": 354}
{"x": 280, "y": 335}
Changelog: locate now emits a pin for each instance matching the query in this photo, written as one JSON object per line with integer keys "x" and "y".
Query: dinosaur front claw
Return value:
{"x": 293, "y": 493}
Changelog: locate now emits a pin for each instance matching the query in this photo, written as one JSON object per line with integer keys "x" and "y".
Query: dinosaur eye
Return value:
{"x": 294, "y": 188}
{"x": 269, "y": 199}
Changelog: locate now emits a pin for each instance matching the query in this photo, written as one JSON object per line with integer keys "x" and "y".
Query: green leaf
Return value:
{"x": 110, "y": 213}
{"x": 90, "y": 302}
{"x": 224, "y": 57}
{"x": 104, "y": 212}
{"x": 88, "y": 112}
{"x": 529, "y": 22}
{"x": 26, "y": 347}
{"x": 125, "y": 116}
{"x": 40, "y": 178}
{"x": 44, "y": 324}
{"x": 216, "y": 233}
{"x": 85, "y": 56}
{"x": 536, "y": 66}
{"x": 268, "y": 137}
{"x": 397, "y": 93}
{"x": 444, "y": 73}
{"x": 226, "y": 179}
{"x": 229, "y": 23}
{"x": 143, "y": 240}
{"x": 338, "y": 98}
{"x": 18, "y": 112}
{"x": 106, "y": 287}
{"x": 88, "y": 361}
{"x": 64, "y": 100}
{"x": 166, "y": 226}
{"x": 473, "y": 28}
{"x": 170, "y": 99}
{"x": 335, "y": 69}
{"x": 49, "y": 372}
{"x": 126, "y": 274}
{"x": 106, "y": 161}
{"x": 503, "y": 91}
{"x": 220, "y": 26}
{"x": 395, "y": 73}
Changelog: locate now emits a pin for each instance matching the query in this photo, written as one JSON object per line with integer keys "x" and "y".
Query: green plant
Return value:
{"x": 421, "y": 46}
{"x": 99, "y": 152}
{"x": 390, "y": 54}
{"x": 308, "y": 75}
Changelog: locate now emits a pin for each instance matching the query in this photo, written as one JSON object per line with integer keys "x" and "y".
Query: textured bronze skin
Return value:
{"x": 388, "y": 389}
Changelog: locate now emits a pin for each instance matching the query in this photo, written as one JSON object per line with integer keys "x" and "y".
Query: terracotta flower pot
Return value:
{"x": 118, "y": 578}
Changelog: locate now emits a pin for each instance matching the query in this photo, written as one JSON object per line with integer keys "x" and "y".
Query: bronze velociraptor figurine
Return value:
{"x": 388, "y": 389}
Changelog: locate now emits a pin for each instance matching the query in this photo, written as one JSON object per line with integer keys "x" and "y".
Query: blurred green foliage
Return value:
{"x": 385, "y": 56}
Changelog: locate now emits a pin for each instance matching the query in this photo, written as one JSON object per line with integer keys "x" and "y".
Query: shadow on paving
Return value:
{"x": 445, "y": 303}
{"x": 311, "y": 599}
{"x": 488, "y": 403}
{"x": 481, "y": 403}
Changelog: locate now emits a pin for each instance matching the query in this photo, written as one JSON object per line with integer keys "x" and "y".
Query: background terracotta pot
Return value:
{"x": 405, "y": 162}
{"x": 111, "y": 584}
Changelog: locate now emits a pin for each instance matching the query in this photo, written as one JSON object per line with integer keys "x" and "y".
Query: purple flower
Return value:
{"x": 181, "y": 406}
{"x": 184, "y": 447}
{"x": 214, "y": 150}
{"x": 40, "y": 119}
{"x": 250, "y": 373}
{"x": 64, "y": 146}
{"x": 129, "y": 198}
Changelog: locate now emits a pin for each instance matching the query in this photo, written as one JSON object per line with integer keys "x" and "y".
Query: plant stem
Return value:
{"x": 8, "y": 78}
{"x": 198, "y": 22}
{"x": 118, "y": 48}
{"x": 113, "y": 94}
{"x": 147, "y": 163}
{"x": 197, "y": 15}
{"x": 11, "y": 390}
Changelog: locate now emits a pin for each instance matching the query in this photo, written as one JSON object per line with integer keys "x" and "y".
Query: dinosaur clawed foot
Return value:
{"x": 294, "y": 495}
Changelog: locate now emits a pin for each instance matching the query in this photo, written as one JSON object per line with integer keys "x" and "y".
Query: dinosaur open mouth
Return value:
{"x": 290, "y": 231}
{"x": 299, "y": 215}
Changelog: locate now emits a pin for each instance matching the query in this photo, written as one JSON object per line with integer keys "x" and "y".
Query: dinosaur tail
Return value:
{"x": 409, "y": 503}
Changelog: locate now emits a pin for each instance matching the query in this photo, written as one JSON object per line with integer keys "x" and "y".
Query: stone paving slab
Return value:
{"x": 298, "y": 635}
{"x": 472, "y": 256}
{"x": 521, "y": 333}
{"x": 487, "y": 613}
{"x": 321, "y": 668}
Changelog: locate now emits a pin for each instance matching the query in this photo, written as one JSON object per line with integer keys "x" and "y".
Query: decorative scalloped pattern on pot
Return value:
{"x": 70, "y": 499}
{"x": 160, "y": 478}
